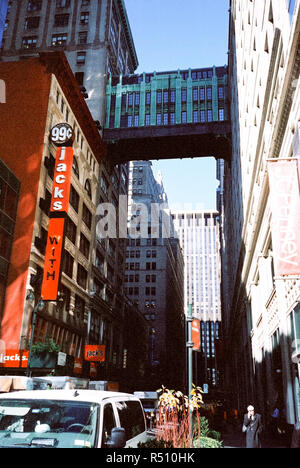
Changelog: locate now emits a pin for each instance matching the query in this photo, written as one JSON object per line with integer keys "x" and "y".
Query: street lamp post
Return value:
{"x": 189, "y": 346}
{"x": 39, "y": 306}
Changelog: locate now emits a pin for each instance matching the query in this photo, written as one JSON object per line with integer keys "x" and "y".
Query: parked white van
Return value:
{"x": 71, "y": 419}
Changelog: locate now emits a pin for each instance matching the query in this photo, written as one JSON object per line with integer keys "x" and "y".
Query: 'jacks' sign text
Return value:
{"x": 62, "y": 180}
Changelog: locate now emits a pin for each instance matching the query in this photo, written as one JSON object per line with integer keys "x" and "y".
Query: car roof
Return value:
{"x": 93, "y": 396}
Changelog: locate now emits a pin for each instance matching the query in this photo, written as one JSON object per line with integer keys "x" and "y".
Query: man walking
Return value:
{"x": 252, "y": 427}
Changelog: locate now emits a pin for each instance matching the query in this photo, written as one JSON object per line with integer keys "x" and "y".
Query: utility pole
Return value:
{"x": 189, "y": 346}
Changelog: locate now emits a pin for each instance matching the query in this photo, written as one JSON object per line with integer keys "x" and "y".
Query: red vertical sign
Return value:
{"x": 53, "y": 259}
{"x": 285, "y": 207}
{"x": 196, "y": 334}
{"x": 59, "y": 206}
{"x": 62, "y": 180}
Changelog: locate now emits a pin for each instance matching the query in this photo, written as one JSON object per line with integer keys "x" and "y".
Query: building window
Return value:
{"x": 209, "y": 115}
{"x": 71, "y": 230}
{"x": 74, "y": 199}
{"x": 221, "y": 92}
{"x": 75, "y": 168}
{"x": 166, "y": 118}
{"x": 84, "y": 246}
{"x": 29, "y": 42}
{"x": 62, "y": 3}
{"x": 202, "y": 94}
{"x": 32, "y": 23}
{"x": 59, "y": 39}
{"x": 86, "y": 216}
{"x": 88, "y": 189}
{"x": 195, "y": 116}
{"x": 136, "y": 120}
{"x": 82, "y": 37}
{"x": 147, "y": 119}
{"x": 183, "y": 95}
{"x": 158, "y": 119}
{"x": 172, "y": 95}
{"x": 81, "y": 58}
{"x": 34, "y": 5}
{"x": 67, "y": 263}
{"x": 195, "y": 94}
{"x": 84, "y": 17}
{"x": 209, "y": 93}
{"x": 61, "y": 20}
{"x": 148, "y": 98}
{"x": 158, "y": 97}
{"x": 183, "y": 117}
{"x": 82, "y": 276}
{"x": 221, "y": 114}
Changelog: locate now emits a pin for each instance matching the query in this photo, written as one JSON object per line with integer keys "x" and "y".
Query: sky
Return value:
{"x": 181, "y": 34}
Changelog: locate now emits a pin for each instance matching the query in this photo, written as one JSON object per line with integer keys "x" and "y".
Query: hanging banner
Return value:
{"x": 196, "y": 334}
{"x": 53, "y": 259}
{"x": 285, "y": 207}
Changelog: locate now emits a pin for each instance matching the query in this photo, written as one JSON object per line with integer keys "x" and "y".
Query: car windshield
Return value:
{"x": 48, "y": 423}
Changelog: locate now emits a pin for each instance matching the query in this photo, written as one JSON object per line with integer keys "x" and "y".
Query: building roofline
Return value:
{"x": 57, "y": 64}
{"x": 128, "y": 33}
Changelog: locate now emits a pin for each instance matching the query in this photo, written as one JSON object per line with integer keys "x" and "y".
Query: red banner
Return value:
{"x": 196, "y": 334}
{"x": 53, "y": 259}
{"x": 285, "y": 207}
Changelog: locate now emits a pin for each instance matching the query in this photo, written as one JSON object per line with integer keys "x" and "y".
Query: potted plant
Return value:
{"x": 44, "y": 354}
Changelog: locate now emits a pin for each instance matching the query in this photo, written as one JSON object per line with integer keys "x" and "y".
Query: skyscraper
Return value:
{"x": 94, "y": 34}
{"x": 154, "y": 273}
{"x": 198, "y": 233}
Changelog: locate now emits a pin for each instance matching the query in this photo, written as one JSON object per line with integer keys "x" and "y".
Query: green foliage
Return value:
{"x": 207, "y": 442}
{"x": 154, "y": 443}
{"x": 47, "y": 346}
{"x": 205, "y": 430}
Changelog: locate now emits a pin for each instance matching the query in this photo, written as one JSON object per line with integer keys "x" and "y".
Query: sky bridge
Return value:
{"x": 166, "y": 115}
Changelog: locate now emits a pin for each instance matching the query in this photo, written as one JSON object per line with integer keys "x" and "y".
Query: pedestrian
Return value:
{"x": 252, "y": 427}
{"x": 296, "y": 436}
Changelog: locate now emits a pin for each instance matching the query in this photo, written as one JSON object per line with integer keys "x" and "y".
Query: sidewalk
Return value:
{"x": 233, "y": 437}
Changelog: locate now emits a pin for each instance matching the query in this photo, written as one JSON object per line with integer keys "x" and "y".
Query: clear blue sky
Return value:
{"x": 172, "y": 34}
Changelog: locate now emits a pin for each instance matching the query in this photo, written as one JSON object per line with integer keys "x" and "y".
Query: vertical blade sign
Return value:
{"x": 62, "y": 180}
{"x": 58, "y": 209}
{"x": 53, "y": 259}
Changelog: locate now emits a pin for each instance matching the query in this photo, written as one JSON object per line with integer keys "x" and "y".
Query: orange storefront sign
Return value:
{"x": 62, "y": 180}
{"x": 14, "y": 358}
{"x": 53, "y": 259}
{"x": 94, "y": 353}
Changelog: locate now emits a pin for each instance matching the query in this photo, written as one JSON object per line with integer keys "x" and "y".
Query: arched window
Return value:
{"x": 87, "y": 187}
{"x": 75, "y": 167}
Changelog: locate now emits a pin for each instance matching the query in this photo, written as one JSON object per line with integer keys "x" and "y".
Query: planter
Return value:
{"x": 43, "y": 360}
